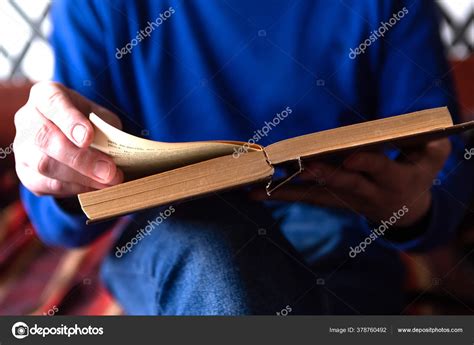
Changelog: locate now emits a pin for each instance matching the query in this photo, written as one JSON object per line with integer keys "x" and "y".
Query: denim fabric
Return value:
{"x": 226, "y": 255}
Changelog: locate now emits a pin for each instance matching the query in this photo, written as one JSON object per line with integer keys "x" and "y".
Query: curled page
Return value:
{"x": 138, "y": 157}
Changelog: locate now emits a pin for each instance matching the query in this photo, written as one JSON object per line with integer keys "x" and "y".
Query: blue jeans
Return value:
{"x": 226, "y": 255}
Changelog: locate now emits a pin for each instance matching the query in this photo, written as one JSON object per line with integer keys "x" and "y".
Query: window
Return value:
{"x": 25, "y": 26}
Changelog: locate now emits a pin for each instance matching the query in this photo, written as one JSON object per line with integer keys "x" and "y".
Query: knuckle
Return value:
{"x": 54, "y": 100}
{"x": 55, "y": 186}
{"x": 42, "y": 87}
{"x": 44, "y": 166}
{"x": 77, "y": 158}
{"x": 47, "y": 96}
{"x": 43, "y": 136}
{"x": 19, "y": 118}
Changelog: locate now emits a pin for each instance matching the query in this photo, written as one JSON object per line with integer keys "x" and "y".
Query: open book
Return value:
{"x": 160, "y": 173}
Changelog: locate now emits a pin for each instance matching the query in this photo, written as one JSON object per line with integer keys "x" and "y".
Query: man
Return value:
{"x": 199, "y": 70}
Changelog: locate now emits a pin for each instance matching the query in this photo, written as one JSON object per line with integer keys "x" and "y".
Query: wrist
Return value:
{"x": 406, "y": 231}
{"x": 417, "y": 211}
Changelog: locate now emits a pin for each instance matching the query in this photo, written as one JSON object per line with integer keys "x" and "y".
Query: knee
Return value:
{"x": 184, "y": 266}
{"x": 198, "y": 245}
{"x": 171, "y": 242}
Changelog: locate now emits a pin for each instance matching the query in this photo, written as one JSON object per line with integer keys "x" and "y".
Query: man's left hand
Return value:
{"x": 370, "y": 183}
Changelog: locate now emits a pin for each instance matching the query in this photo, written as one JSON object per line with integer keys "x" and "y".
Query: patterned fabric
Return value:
{"x": 40, "y": 280}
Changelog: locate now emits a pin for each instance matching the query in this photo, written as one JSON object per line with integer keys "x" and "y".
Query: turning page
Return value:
{"x": 139, "y": 157}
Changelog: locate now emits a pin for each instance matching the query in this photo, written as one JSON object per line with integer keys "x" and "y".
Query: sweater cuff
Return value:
{"x": 55, "y": 226}
{"x": 404, "y": 234}
{"x": 431, "y": 230}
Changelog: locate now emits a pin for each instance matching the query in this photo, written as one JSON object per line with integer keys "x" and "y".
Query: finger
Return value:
{"x": 434, "y": 155}
{"x": 314, "y": 171}
{"x": 377, "y": 166}
{"x": 54, "y": 169}
{"x": 88, "y": 162}
{"x": 312, "y": 195}
{"x": 54, "y": 103}
{"x": 340, "y": 180}
{"x": 42, "y": 185}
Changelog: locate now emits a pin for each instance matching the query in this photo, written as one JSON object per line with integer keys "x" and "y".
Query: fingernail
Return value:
{"x": 79, "y": 133}
{"x": 102, "y": 170}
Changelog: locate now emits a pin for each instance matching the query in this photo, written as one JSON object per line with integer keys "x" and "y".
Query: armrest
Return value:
{"x": 12, "y": 97}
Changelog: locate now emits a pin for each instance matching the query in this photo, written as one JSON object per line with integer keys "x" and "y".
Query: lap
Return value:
{"x": 220, "y": 255}
{"x": 227, "y": 255}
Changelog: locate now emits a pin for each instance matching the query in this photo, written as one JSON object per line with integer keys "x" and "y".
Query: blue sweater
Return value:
{"x": 208, "y": 69}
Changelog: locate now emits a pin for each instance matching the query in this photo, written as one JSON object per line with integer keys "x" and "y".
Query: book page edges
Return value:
{"x": 191, "y": 181}
{"x": 359, "y": 135}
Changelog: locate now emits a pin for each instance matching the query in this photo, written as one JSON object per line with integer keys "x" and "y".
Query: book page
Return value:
{"x": 139, "y": 157}
{"x": 390, "y": 129}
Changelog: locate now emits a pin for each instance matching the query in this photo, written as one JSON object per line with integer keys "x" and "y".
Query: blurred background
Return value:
{"x": 35, "y": 279}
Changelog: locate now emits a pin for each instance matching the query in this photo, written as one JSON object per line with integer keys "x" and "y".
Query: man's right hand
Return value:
{"x": 52, "y": 141}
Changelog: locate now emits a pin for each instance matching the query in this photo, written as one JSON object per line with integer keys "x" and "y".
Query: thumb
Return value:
{"x": 433, "y": 155}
